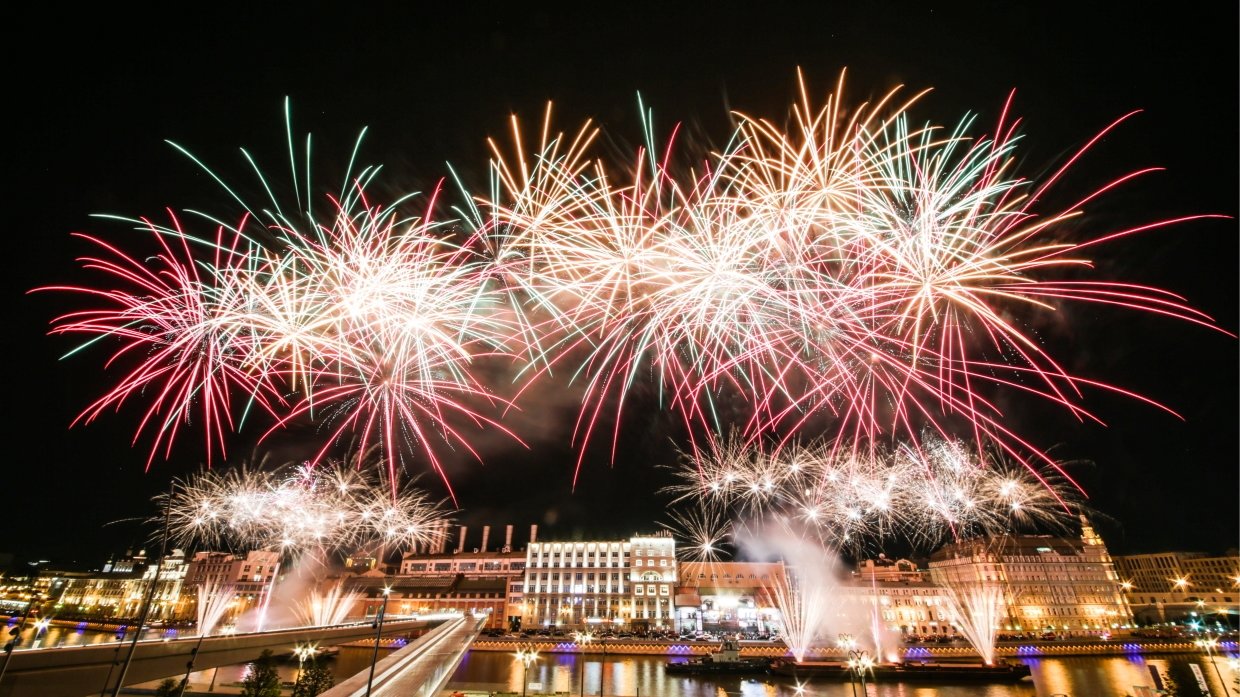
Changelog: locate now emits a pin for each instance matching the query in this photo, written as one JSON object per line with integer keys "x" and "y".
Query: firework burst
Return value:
{"x": 852, "y": 276}
{"x": 298, "y": 508}
{"x": 849, "y": 498}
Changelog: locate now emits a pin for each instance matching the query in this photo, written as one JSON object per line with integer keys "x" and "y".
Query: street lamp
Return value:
{"x": 303, "y": 651}
{"x": 1208, "y": 644}
{"x": 847, "y": 643}
{"x": 583, "y": 640}
{"x": 526, "y": 657}
{"x": 374, "y": 658}
{"x": 860, "y": 663}
{"x": 602, "y": 666}
{"x": 16, "y": 633}
{"x": 40, "y": 627}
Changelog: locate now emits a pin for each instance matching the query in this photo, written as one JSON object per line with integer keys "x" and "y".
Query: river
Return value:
{"x": 633, "y": 676}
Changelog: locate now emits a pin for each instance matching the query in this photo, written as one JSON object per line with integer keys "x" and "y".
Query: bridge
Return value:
{"x": 421, "y": 669}
{"x": 87, "y": 670}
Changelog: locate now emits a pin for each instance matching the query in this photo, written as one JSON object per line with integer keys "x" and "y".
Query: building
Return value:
{"x": 884, "y": 569}
{"x": 423, "y": 595}
{"x": 251, "y": 577}
{"x": 619, "y": 582}
{"x": 1172, "y": 586}
{"x": 481, "y": 563}
{"x": 1049, "y": 584}
{"x": 728, "y": 597}
{"x": 122, "y": 587}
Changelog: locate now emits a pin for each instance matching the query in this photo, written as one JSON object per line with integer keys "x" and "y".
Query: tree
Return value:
{"x": 168, "y": 688}
{"x": 262, "y": 679}
{"x": 314, "y": 680}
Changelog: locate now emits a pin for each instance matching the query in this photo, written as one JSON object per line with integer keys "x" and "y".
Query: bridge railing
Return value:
{"x": 420, "y": 669}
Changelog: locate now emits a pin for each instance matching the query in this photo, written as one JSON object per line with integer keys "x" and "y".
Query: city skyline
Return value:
{"x": 92, "y": 142}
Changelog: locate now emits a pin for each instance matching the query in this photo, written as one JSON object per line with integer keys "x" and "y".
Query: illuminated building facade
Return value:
{"x": 422, "y": 595}
{"x": 576, "y": 584}
{"x": 1064, "y": 585}
{"x": 121, "y": 588}
{"x": 252, "y": 577}
{"x": 899, "y": 596}
{"x": 476, "y": 563}
{"x": 1180, "y": 586}
{"x": 728, "y": 597}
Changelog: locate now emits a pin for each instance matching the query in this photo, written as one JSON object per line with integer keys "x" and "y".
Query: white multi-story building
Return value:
{"x": 575, "y": 584}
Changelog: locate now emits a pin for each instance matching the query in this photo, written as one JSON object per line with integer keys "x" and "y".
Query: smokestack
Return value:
{"x": 460, "y": 546}
{"x": 437, "y": 537}
{"x": 533, "y": 533}
{"x": 486, "y": 532}
{"x": 508, "y": 537}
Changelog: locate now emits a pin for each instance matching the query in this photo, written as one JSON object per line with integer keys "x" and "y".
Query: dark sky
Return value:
{"x": 93, "y": 96}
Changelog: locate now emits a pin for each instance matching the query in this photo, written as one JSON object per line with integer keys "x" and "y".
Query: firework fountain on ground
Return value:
{"x": 805, "y": 594}
{"x": 977, "y": 611}
{"x": 214, "y": 599}
{"x": 327, "y": 608}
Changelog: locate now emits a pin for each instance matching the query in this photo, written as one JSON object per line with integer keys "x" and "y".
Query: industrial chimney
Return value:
{"x": 533, "y": 533}
{"x": 460, "y": 546}
{"x": 508, "y": 538}
{"x": 486, "y": 532}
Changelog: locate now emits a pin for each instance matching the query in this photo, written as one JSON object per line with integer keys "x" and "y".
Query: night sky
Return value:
{"x": 93, "y": 97}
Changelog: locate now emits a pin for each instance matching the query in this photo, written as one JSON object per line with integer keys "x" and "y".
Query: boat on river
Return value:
{"x": 909, "y": 671}
{"x": 727, "y": 659}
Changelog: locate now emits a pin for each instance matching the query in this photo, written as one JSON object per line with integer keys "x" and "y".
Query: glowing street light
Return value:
{"x": 860, "y": 663}
{"x": 583, "y": 640}
{"x": 1208, "y": 644}
{"x": 526, "y": 658}
{"x": 304, "y": 651}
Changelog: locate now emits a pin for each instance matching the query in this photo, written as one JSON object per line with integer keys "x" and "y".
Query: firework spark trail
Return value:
{"x": 849, "y": 498}
{"x": 407, "y": 315}
{"x": 370, "y": 323}
{"x": 297, "y": 509}
{"x": 173, "y": 318}
{"x": 701, "y": 533}
{"x": 859, "y": 265}
{"x": 851, "y": 266}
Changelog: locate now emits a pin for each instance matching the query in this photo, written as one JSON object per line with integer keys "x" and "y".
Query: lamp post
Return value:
{"x": 583, "y": 640}
{"x": 1208, "y": 644}
{"x": 39, "y": 627}
{"x": 602, "y": 666}
{"x": 16, "y": 633}
{"x": 860, "y": 662}
{"x": 526, "y": 657}
{"x": 374, "y": 658}
{"x": 150, "y": 591}
{"x": 847, "y": 643}
{"x": 303, "y": 651}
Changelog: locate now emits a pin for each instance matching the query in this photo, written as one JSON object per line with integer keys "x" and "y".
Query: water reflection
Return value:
{"x": 634, "y": 676}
